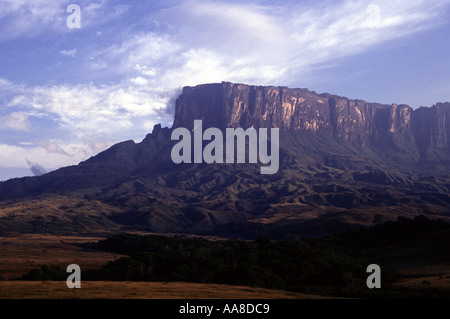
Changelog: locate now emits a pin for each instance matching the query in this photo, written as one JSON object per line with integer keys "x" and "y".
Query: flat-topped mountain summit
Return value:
{"x": 421, "y": 133}
{"x": 343, "y": 163}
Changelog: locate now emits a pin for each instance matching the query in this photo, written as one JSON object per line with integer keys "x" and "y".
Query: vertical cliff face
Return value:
{"x": 204, "y": 102}
{"x": 421, "y": 133}
{"x": 238, "y": 105}
{"x": 431, "y": 129}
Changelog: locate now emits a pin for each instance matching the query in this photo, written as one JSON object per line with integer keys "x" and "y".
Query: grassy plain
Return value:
{"x": 22, "y": 253}
{"x": 137, "y": 290}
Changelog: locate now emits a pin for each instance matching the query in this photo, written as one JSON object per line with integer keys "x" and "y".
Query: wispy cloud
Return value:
{"x": 22, "y": 17}
{"x": 50, "y": 155}
{"x": 36, "y": 168}
{"x": 52, "y": 147}
{"x": 89, "y": 110}
{"x": 70, "y": 53}
{"x": 16, "y": 121}
{"x": 215, "y": 41}
{"x": 270, "y": 44}
{"x": 351, "y": 27}
{"x": 31, "y": 18}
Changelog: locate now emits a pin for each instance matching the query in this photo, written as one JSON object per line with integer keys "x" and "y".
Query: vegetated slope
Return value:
{"x": 343, "y": 163}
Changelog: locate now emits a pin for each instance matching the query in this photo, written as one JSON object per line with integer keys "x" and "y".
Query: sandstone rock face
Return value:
{"x": 431, "y": 129}
{"x": 419, "y": 133}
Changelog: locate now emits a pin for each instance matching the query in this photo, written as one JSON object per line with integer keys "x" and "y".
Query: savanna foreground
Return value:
{"x": 413, "y": 255}
{"x": 138, "y": 290}
{"x": 25, "y": 252}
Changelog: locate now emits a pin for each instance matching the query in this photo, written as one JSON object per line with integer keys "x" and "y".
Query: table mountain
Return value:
{"x": 343, "y": 163}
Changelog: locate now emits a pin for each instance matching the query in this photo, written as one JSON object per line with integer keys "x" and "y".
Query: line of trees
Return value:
{"x": 299, "y": 265}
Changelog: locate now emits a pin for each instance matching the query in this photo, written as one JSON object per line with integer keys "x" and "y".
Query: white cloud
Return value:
{"x": 7, "y": 88}
{"x": 139, "y": 80}
{"x": 90, "y": 110}
{"x": 16, "y": 121}
{"x": 53, "y": 147}
{"x": 215, "y": 41}
{"x": 49, "y": 154}
{"x": 70, "y": 53}
{"x": 23, "y": 17}
{"x": 26, "y": 143}
{"x": 30, "y": 18}
{"x": 350, "y": 27}
{"x": 16, "y": 156}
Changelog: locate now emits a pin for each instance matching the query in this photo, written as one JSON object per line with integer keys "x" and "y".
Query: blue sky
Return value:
{"x": 68, "y": 93}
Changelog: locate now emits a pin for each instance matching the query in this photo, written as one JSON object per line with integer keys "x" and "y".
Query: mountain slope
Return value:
{"x": 342, "y": 163}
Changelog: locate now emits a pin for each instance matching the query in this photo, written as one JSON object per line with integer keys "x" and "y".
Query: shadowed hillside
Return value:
{"x": 343, "y": 164}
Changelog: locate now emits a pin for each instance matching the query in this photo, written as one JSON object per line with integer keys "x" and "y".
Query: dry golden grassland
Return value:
{"x": 22, "y": 253}
{"x": 425, "y": 277}
{"x": 137, "y": 290}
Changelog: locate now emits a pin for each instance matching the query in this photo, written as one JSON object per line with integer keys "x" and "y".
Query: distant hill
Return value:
{"x": 343, "y": 164}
